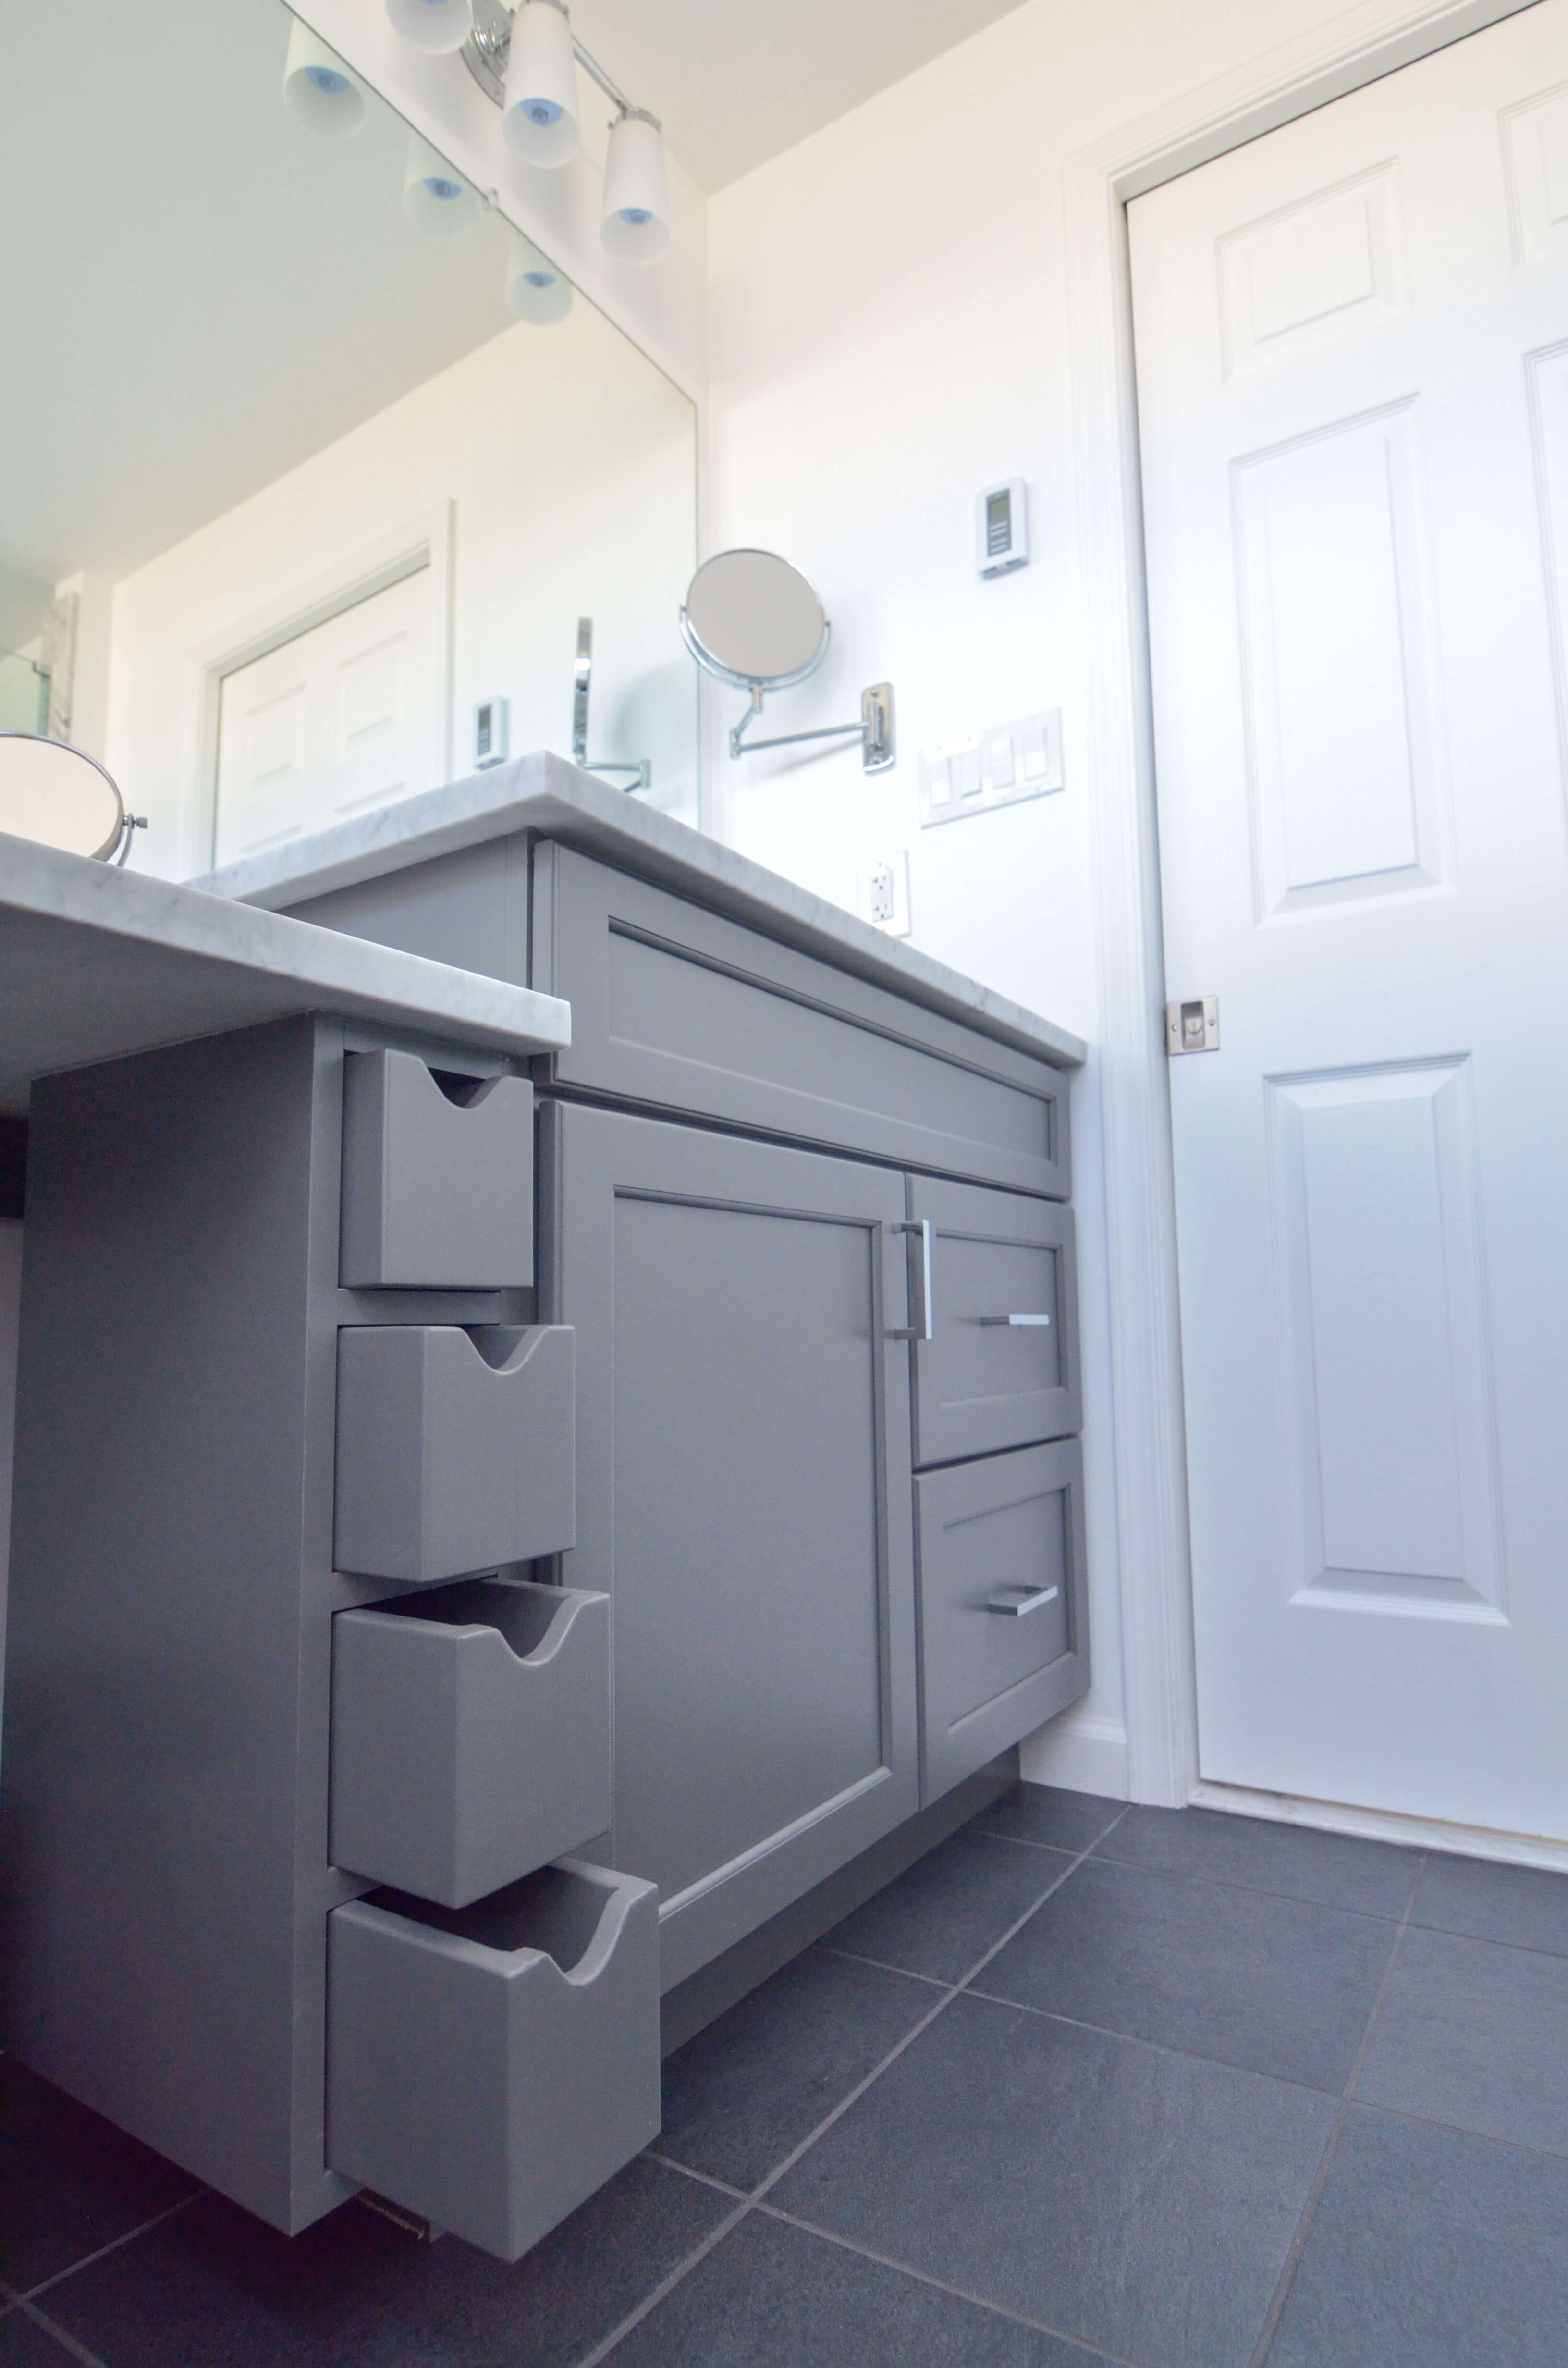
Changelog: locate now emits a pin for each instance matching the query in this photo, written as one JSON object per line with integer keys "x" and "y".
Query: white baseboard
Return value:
{"x": 1381, "y": 1825}
{"x": 1082, "y": 1755}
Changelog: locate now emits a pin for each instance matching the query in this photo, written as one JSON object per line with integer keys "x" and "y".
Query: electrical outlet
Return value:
{"x": 883, "y": 892}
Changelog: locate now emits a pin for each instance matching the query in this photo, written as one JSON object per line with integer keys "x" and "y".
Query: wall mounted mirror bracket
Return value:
{"x": 753, "y": 621}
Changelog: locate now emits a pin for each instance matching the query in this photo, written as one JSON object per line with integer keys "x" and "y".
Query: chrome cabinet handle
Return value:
{"x": 1013, "y": 1603}
{"x": 1013, "y": 1319}
{"x": 922, "y": 1330}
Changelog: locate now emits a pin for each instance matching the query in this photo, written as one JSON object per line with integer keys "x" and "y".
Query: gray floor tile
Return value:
{"x": 1272, "y": 1984}
{"x": 214, "y": 2289}
{"x": 940, "y": 1917}
{"x": 25, "y": 2344}
{"x": 1045, "y": 1813}
{"x": 770, "y": 2296}
{"x": 1128, "y": 2197}
{"x": 743, "y": 2094}
{"x": 1476, "y": 2034}
{"x": 69, "y": 2181}
{"x": 1488, "y": 1901}
{"x": 1430, "y": 2248}
{"x": 1296, "y": 1862}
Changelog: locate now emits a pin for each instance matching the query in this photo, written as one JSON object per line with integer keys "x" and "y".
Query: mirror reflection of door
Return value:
{"x": 340, "y": 719}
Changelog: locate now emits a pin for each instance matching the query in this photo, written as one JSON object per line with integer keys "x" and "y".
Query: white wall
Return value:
{"x": 570, "y": 462}
{"x": 888, "y": 334}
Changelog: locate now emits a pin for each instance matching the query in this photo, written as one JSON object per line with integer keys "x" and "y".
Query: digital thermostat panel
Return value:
{"x": 1002, "y": 528}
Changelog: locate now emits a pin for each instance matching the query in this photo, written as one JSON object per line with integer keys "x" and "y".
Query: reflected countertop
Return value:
{"x": 97, "y": 963}
{"x": 547, "y": 796}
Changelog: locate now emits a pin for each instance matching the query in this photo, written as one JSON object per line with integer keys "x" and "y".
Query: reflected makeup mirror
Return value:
{"x": 58, "y": 797}
{"x": 752, "y": 622}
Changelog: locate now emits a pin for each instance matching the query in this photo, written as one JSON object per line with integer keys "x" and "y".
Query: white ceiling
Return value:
{"x": 738, "y": 81}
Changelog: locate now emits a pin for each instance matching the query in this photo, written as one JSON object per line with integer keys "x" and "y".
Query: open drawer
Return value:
{"x": 1004, "y": 1619}
{"x": 438, "y": 1178}
{"x": 469, "y": 1736}
{"x": 456, "y": 1447}
{"x": 490, "y": 2066}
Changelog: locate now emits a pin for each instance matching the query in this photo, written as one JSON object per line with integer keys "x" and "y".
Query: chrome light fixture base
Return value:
{"x": 490, "y": 44}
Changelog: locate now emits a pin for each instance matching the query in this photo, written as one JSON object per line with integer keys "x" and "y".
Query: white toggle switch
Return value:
{"x": 967, "y": 767}
{"x": 1034, "y": 754}
{"x": 939, "y": 782}
{"x": 999, "y": 767}
{"x": 999, "y": 756}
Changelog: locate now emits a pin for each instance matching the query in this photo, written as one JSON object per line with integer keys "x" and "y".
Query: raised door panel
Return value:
{"x": 744, "y": 1499}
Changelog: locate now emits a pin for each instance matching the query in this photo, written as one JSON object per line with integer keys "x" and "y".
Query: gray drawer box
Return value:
{"x": 1004, "y": 1618}
{"x": 469, "y": 1736}
{"x": 456, "y": 1447}
{"x": 438, "y": 1191}
{"x": 996, "y": 1374}
{"x": 489, "y": 2068}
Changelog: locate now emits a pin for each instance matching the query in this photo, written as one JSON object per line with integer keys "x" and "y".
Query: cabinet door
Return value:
{"x": 743, "y": 1498}
{"x": 1001, "y": 1367}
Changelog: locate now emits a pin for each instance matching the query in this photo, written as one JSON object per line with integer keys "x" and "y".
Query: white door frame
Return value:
{"x": 1351, "y": 49}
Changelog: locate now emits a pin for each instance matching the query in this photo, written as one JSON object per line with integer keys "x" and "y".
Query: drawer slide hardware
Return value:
{"x": 1013, "y": 1603}
{"x": 1037, "y": 1321}
{"x": 923, "y": 1328}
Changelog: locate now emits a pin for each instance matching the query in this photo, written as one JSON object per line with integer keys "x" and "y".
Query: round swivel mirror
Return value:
{"x": 59, "y": 797}
{"x": 754, "y": 620}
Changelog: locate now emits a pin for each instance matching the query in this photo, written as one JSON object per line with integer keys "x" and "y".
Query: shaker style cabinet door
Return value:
{"x": 744, "y": 1498}
{"x": 1001, "y": 1366}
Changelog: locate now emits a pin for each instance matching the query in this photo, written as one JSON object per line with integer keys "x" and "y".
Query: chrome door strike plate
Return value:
{"x": 1193, "y": 1027}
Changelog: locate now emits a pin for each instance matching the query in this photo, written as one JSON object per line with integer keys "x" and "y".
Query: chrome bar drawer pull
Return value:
{"x": 1037, "y": 1320}
{"x": 1013, "y": 1603}
{"x": 923, "y": 1328}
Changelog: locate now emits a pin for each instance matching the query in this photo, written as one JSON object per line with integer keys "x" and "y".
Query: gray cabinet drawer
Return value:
{"x": 1004, "y": 1622}
{"x": 490, "y": 2066}
{"x": 676, "y": 1008}
{"x": 1001, "y": 1369}
{"x": 437, "y": 1182}
{"x": 469, "y": 1736}
{"x": 456, "y": 1447}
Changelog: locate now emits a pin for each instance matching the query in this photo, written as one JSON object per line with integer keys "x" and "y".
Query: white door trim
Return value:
{"x": 1353, "y": 49}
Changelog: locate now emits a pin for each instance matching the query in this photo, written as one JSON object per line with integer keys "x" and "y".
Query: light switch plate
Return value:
{"x": 998, "y": 768}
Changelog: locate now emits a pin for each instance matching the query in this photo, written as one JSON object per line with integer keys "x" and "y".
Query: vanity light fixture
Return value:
{"x": 540, "y": 95}
{"x": 535, "y": 290}
{"x": 526, "y": 64}
{"x": 434, "y": 197}
{"x": 318, "y": 89}
{"x": 436, "y": 25}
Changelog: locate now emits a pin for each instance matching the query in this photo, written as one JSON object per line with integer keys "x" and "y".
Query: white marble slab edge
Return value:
{"x": 544, "y": 793}
{"x": 312, "y": 969}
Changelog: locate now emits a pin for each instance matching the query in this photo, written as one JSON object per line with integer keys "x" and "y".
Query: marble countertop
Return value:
{"x": 545, "y": 794}
{"x": 95, "y": 962}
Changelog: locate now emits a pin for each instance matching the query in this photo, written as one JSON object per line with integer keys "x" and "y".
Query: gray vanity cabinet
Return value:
{"x": 1000, "y": 1368}
{"x": 744, "y": 1499}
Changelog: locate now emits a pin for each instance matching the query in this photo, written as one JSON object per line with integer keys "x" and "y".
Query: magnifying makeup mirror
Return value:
{"x": 61, "y": 798}
{"x": 753, "y": 621}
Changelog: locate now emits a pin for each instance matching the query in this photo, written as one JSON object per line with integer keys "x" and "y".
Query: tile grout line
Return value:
{"x": 1270, "y": 2327}
{"x": 1138, "y": 2039}
{"x": 61, "y": 2335}
{"x": 114, "y": 2246}
{"x": 959, "y": 2293}
{"x": 703, "y": 2178}
{"x": 1255, "y": 1890}
{"x": 634, "y": 2318}
{"x": 879, "y": 1964}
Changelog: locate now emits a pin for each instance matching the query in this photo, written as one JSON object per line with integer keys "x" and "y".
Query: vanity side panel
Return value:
{"x": 469, "y": 908}
{"x": 162, "y": 1870}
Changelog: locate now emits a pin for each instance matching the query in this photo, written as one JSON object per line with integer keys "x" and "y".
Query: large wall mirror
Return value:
{"x": 308, "y": 455}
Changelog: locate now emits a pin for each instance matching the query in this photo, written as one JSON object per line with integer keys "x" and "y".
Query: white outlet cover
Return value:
{"x": 881, "y": 891}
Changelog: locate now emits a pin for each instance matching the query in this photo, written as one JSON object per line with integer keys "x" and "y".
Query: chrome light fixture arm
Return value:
{"x": 489, "y": 45}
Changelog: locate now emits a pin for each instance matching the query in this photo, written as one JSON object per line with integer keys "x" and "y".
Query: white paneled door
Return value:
{"x": 1352, "y": 347}
{"x": 340, "y": 719}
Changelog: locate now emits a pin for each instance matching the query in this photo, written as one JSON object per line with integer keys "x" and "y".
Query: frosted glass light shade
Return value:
{"x": 436, "y": 199}
{"x": 432, "y": 24}
{"x": 535, "y": 290}
{"x": 318, "y": 89}
{"x": 636, "y": 224}
{"x": 541, "y": 85}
